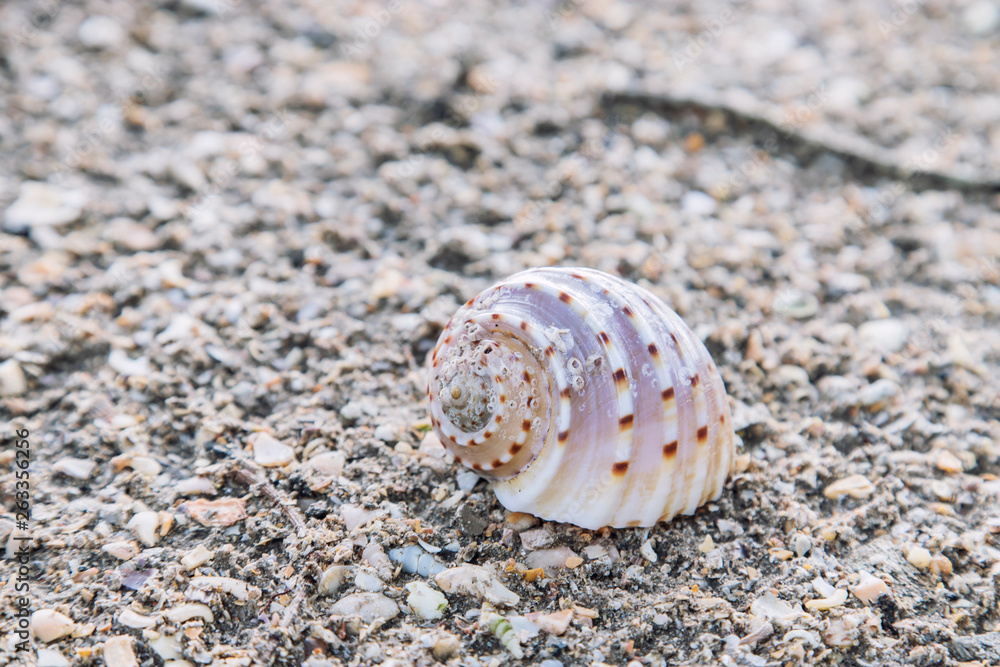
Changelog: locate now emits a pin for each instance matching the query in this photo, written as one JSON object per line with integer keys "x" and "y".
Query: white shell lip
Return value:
{"x": 613, "y": 412}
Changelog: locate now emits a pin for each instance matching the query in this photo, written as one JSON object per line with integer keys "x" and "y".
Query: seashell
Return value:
{"x": 583, "y": 399}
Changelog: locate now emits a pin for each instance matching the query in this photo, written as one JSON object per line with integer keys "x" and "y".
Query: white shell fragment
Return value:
{"x": 478, "y": 582}
{"x": 49, "y": 625}
{"x": 366, "y": 606}
{"x": 583, "y": 398}
{"x": 270, "y": 452}
{"x": 118, "y": 652}
{"x": 425, "y": 602}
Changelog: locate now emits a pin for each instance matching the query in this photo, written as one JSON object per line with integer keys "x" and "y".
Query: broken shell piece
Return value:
{"x": 425, "y": 602}
{"x": 838, "y": 598}
{"x": 186, "y": 612}
{"x": 270, "y": 452}
{"x": 118, "y": 652}
{"x": 555, "y": 623}
{"x": 238, "y": 589}
{"x": 220, "y": 513}
{"x": 870, "y": 588}
{"x": 197, "y": 557}
{"x": 366, "y": 606}
{"x": 49, "y": 625}
{"x": 855, "y": 486}
{"x": 122, "y": 549}
{"x": 476, "y": 581}
{"x": 131, "y": 619}
{"x": 143, "y": 525}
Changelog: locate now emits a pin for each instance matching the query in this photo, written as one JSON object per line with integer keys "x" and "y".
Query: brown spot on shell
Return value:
{"x": 564, "y": 392}
{"x": 722, "y": 419}
{"x": 670, "y": 449}
{"x": 604, "y": 337}
{"x": 695, "y": 380}
{"x": 498, "y": 419}
{"x": 564, "y": 297}
{"x": 487, "y": 435}
{"x": 503, "y": 399}
{"x": 524, "y": 325}
{"x": 530, "y": 285}
{"x": 496, "y": 463}
{"x": 452, "y": 438}
{"x": 563, "y": 436}
{"x": 626, "y": 421}
{"x": 628, "y": 311}
{"x": 619, "y": 376}
{"x": 703, "y": 433}
{"x": 620, "y": 467}
{"x": 526, "y": 425}
{"x": 549, "y": 351}
{"x": 458, "y": 460}
{"x": 495, "y": 316}
{"x": 526, "y": 377}
{"x": 476, "y": 466}
{"x": 530, "y": 399}
{"x": 667, "y": 394}
{"x": 577, "y": 276}
{"x": 653, "y": 351}
{"x": 515, "y": 448}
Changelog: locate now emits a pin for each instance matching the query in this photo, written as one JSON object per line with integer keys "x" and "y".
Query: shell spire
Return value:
{"x": 583, "y": 398}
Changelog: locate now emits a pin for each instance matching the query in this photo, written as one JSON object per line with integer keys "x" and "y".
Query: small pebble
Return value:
{"x": 328, "y": 463}
{"x": 555, "y": 623}
{"x": 870, "y": 588}
{"x": 888, "y": 335}
{"x": 42, "y": 205}
{"x": 538, "y": 538}
{"x": 100, "y": 32}
{"x": 332, "y": 579}
{"x": 12, "y": 380}
{"x": 270, "y": 452}
{"x": 948, "y": 462}
{"x": 919, "y": 557}
{"x": 75, "y": 468}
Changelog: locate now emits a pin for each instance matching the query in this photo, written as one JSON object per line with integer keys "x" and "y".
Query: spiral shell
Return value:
{"x": 583, "y": 399}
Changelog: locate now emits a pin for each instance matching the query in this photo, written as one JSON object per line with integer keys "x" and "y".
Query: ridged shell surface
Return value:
{"x": 583, "y": 398}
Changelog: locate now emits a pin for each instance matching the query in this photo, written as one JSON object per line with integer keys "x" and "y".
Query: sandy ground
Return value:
{"x": 233, "y": 230}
